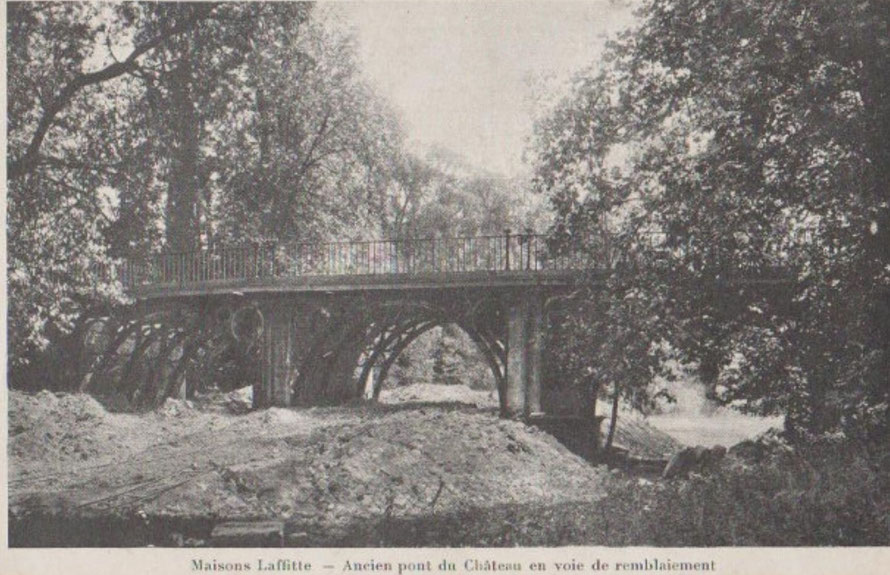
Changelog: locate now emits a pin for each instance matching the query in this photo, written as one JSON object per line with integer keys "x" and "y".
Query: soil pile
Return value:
{"x": 323, "y": 469}
{"x": 58, "y": 430}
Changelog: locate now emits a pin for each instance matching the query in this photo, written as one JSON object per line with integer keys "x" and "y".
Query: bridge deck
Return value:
{"x": 343, "y": 283}
{"x": 430, "y": 263}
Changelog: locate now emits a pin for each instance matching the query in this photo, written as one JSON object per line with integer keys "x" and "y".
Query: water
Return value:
{"x": 725, "y": 429}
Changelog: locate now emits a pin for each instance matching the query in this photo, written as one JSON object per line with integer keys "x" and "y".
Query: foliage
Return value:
{"x": 139, "y": 127}
{"x": 441, "y": 196}
{"x": 56, "y": 218}
{"x": 443, "y": 355}
{"x": 722, "y": 142}
{"x": 312, "y": 143}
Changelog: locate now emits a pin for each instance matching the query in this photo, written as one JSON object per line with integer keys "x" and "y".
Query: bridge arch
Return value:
{"x": 340, "y": 349}
{"x": 391, "y": 346}
{"x": 312, "y": 349}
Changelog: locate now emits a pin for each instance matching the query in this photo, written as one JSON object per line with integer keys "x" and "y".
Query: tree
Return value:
{"x": 69, "y": 25}
{"x": 738, "y": 139}
{"x": 440, "y": 195}
{"x": 56, "y": 218}
{"x": 302, "y": 149}
{"x": 189, "y": 118}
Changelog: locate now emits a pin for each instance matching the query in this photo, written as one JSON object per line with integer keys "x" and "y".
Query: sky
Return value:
{"x": 462, "y": 75}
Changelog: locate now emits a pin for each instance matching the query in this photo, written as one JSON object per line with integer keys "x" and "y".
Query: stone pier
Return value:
{"x": 524, "y": 343}
{"x": 277, "y": 357}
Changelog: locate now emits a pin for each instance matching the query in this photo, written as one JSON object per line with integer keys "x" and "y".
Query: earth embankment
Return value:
{"x": 325, "y": 471}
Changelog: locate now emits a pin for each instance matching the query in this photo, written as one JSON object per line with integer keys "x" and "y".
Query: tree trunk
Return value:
{"x": 613, "y": 423}
{"x": 182, "y": 193}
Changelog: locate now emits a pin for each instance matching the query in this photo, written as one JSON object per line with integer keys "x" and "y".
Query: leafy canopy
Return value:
{"x": 727, "y": 140}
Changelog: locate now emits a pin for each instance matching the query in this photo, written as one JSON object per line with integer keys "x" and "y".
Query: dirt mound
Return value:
{"x": 323, "y": 468}
{"x": 52, "y": 431}
{"x": 63, "y": 428}
{"x": 398, "y": 464}
{"x": 634, "y": 433}
{"x": 438, "y": 393}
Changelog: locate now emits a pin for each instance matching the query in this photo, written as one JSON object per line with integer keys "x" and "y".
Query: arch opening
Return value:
{"x": 433, "y": 362}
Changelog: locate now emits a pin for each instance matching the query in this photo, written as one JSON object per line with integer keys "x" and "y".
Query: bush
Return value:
{"x": 819, "y": 494}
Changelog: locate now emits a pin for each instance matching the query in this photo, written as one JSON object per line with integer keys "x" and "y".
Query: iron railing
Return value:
{"x": 528, "y": 252}
{"x": 273, "y": 260}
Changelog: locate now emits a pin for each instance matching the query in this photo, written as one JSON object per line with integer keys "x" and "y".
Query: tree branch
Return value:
{"x": 26, "y": 163}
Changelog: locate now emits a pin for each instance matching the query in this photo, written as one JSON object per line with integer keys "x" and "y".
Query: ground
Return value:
{"x": 323, "y": 469}
{"x": 335, "y": 475}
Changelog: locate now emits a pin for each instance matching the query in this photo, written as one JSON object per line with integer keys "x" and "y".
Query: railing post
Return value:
{"x": 276, "y": 261}
{"x": 528, "y": 249}
{"x": 607, "y": 242}
{"x": 261, "y": 269}
{"x": 296, "y": 263}
{"x": 256, "y": 260}
{"x": 507, "y": 249}
{"x": 434, "y": 263}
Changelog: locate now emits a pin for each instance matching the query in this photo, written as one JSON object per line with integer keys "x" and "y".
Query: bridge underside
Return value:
{"x": 337, "y": 347}
{"x": 321, "y": 346}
